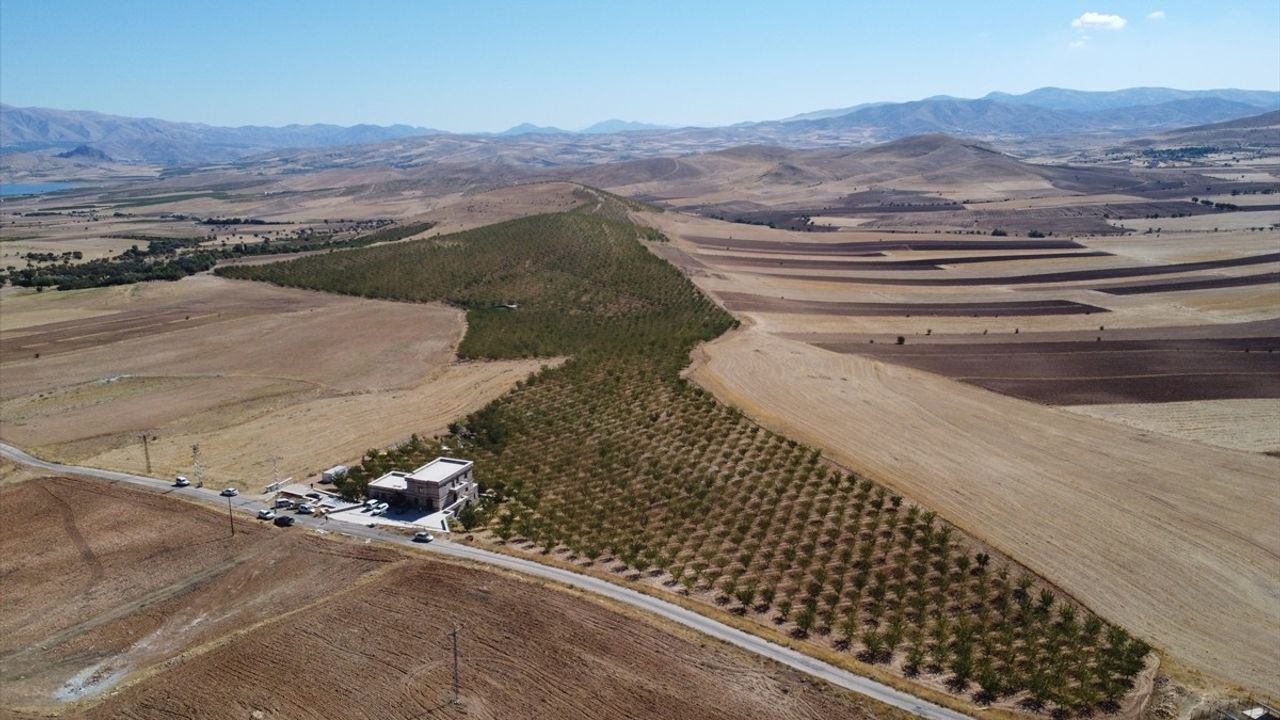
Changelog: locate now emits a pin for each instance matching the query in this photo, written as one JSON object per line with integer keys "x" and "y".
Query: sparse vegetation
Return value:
{"x": 166, "y": 258}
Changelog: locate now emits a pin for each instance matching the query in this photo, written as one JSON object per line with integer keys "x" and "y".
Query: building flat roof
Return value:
{"x": 440, "y": 470}
{"x": 394, "y": 480}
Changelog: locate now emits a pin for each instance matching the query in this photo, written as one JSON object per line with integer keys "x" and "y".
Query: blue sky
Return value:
{"x": 483, "y": 65}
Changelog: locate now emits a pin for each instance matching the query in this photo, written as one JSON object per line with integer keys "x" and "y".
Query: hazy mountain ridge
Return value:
{"x": 1090, "y": 100}
{"x": 1000, "y": 118}
{"x": 165, "y": 142}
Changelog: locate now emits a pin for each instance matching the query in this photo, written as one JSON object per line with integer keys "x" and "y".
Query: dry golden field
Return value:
{"x": 246, "y": 370}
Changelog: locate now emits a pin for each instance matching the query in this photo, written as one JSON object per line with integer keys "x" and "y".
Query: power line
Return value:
{"x": 146, "y": 451}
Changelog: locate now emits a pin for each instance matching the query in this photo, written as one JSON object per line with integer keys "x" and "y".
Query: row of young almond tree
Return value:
{"x": 613, "y": 458}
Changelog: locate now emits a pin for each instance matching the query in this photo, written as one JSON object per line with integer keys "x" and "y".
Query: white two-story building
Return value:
{"x": 442, "y": 484}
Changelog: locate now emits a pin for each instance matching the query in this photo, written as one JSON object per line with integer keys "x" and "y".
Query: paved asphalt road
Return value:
{"x": 675, "y": 613}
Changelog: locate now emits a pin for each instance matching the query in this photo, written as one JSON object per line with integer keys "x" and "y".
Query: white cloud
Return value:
{"x": 1084, "y": 40}
{"x": 1099, "y": 21}
{"x": 1155, "y": 16}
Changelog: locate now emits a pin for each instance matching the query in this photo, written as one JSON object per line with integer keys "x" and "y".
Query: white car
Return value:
{"x": 383, "y": 507}
{"x": 422, "y": 537}
{"x": 377, "y": 511}
{"x": 230, "y": 492}
{"x": 266, "y": 514}
{"x": 181, "y": 481}
{"x": 306, "y": 509}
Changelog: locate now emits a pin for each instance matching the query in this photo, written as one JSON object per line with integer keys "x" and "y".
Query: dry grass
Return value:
{"x": 247, "y": 370}
{"x": 1251, "y": 425}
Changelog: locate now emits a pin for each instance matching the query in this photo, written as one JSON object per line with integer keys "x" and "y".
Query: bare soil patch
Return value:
{"x": 104, "y": 580}
{"x": 1093, "y": 371}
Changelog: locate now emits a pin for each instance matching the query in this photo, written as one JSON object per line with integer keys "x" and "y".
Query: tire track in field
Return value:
{"x": 73, "y": 531}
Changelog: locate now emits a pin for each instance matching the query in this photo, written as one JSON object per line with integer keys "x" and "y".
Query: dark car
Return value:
{"x": 283, "y": 521}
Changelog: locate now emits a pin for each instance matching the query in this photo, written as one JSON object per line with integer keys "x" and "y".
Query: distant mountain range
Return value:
{"x": 999, "y": 118}
{"x": 147, "y": 140}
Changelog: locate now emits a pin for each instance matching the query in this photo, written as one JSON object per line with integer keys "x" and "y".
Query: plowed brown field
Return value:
{"x": 122, "y": 603}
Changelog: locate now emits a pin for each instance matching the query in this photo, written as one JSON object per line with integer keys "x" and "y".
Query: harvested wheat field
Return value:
{"x": 1160, "y": 520}
{"x": 126, "y": 604}
{"x": 246, "y": 370}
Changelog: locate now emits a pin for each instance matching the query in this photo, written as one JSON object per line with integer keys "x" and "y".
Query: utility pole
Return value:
{"x": 231, "y": 516}
{"x": 146, "y": 451}
{"x": 454, "y": 634}
{"x": 196, "y": 468}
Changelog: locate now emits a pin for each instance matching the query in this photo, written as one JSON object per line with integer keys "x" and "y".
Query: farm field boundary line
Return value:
{"x": 820, "y": 248}
{"x": 1193, "y": 284}
{"x": 916, "y": 264}
{"x": 670, "y": 611}
{"x": 1052, "y": 277}
{"x": 746, "y": 302}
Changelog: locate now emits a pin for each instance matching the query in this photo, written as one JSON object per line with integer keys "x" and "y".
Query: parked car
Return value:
{"x": 370, "y": 504}
{"x": 230, "y": 492}
{"x": 383, "y": 507}
{"x": 266, "y": 514}
{"x": 376, "y": 511}
{"x": 315, "y": 496}
{"x": 181, "y": 481}
{"x": 284, "y": 521}
{"x": 305, "y": 508}
{"x": 284, "y": 502}
{"x": 422, "y": 537}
